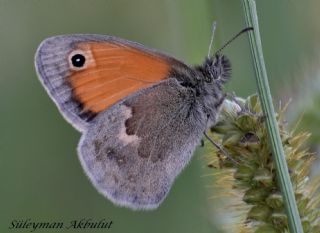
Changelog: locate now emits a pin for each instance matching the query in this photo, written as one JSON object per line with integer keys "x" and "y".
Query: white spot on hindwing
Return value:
{"x": 123, "y": 136}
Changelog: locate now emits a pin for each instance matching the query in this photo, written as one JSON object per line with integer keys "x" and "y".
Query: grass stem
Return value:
{"x": 283, "y": 176}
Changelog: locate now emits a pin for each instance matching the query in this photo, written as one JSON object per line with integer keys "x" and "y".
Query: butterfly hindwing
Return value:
{"x": 111, "y": 69}
{"x": 134, "y": 150}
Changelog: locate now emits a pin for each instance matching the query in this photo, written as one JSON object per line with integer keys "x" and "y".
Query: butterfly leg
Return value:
{"x": 244, "y": 109}
{"x": 220, "y": 147}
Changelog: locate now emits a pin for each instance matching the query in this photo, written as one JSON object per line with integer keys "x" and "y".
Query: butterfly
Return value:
{"x": 141, "y": 112}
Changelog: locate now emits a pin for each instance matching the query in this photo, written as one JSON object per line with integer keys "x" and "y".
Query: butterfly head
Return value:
{"x": 216, "y": 69}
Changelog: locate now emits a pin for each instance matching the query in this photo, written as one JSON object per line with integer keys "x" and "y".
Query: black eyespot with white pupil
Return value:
{"x": 78, "y": 60}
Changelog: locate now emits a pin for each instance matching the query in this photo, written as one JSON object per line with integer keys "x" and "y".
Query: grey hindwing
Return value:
{"x": 133, "y": 151}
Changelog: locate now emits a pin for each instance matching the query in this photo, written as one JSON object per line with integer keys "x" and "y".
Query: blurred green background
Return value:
{"x": 41, "y": 177}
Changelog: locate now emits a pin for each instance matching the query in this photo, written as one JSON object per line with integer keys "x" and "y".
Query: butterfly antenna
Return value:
{"x": 214, "y": 25}
{"x": 233, "y": 38}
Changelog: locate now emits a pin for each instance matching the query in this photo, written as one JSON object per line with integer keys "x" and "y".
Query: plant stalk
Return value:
{"x": 284, "y": 181}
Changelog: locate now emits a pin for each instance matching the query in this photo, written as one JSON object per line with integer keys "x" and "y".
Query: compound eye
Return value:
{"x": 78, "y": 60}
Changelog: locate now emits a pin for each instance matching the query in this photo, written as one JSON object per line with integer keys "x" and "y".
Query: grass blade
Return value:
{"x": 251, "y": 18}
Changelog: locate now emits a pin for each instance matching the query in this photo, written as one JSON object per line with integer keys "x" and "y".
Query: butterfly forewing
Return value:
{"x": 86, "y": 74}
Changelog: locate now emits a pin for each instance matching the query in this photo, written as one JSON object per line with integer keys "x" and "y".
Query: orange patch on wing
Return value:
{"x": 112, "y": 72}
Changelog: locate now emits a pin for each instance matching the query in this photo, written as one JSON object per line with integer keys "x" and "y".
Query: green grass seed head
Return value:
{"x": 253, "y": 181}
